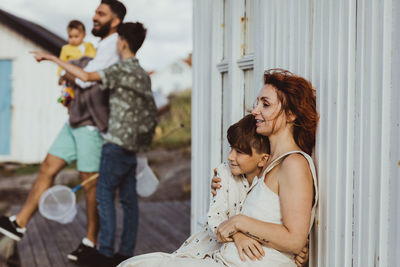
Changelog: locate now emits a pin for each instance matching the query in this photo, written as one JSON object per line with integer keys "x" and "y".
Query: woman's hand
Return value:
{"x": 215, "y": 183}
{"x": 302, "y": 258}
{"x": 247, "y": 245}
{"x": 228, "y": 228}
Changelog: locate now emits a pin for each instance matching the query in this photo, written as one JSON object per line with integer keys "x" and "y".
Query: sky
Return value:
{"x": 168, "y": 23}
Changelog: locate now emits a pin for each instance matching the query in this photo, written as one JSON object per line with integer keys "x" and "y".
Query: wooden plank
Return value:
{"x": 3, "y": 263}
{"x": 169, "y": 212}
{"x": 166, "y": 220}
{"x": 79, "y": 223}
{"x": 77, "y": 228}
{"x": 25, "y": 252}
{"x": 158, "y": 228}
{"x": 156, "y": 240}
{"x": 51, "y": 244}
{"x": 81, "y": 217}
{"x": 154, "y": 231}
{"x": 163, "y": 226}
{"x": 24, "y": 247}
{"x": 119, "y": 224}
{"x": 179, "y": 210}
{"x": 65, "y": 239}
{"x": 37, "y": 243}
{"x": 157, "y": 234}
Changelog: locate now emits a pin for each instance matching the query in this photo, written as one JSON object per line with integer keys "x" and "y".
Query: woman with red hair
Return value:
{"x": 278, "y": 212}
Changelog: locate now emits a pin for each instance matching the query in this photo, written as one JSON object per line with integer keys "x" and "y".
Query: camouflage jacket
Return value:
{"x": 133, "y": 113}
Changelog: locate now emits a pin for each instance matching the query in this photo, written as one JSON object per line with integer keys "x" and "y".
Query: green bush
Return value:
{"x": 174, "y": 126}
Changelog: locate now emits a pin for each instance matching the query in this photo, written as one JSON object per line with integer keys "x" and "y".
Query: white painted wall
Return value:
{"x": 350, "y": 51}
{"x": 201, "y": 112}
{"x": 36, "y": 116}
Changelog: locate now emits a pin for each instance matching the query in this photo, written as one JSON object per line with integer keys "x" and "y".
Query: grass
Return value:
{"x": 174, "y": 127}
{"x": 26, "y": 169}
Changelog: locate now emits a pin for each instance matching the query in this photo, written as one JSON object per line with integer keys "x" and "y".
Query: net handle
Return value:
{"x": 91, "y": 178}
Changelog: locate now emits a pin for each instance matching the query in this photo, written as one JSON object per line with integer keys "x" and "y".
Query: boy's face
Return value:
{"x": 242, "y": 163}
{"x": 75, "y": 36}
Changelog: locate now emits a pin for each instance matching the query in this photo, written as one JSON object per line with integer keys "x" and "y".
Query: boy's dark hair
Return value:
{"x": 243, "y": 136}
{"x": 116, "y": 7}
{"x": 134, "y": 33}
{"x": 76, "y": 24}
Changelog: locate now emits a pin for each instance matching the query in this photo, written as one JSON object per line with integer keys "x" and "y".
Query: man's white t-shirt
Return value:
{"x": 106, "y": 55}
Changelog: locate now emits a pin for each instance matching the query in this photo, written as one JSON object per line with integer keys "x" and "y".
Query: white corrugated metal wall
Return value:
{"x": 350, "y": 51}
{"x": 36, "y": 117}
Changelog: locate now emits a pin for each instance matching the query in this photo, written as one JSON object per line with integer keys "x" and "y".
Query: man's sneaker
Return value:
{"x": 10, "y": 228}
{"x": 118, "y": 258}
{"x": 99, "y": 260}
{"x": 93, "y": 258}
{"x": 84, "y": 251}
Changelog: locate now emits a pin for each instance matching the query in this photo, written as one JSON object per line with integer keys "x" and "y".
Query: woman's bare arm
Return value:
{"x": 296, "y": 195}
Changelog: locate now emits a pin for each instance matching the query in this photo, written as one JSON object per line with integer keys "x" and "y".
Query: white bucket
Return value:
{"x": 58, "y": 204}
{"x": 146, "y": 181}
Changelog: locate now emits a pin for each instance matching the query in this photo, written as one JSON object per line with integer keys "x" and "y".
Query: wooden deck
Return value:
{"x": 163, "y": 226}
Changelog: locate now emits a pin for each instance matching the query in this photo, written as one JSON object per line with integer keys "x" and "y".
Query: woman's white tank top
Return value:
{"x": 263, "y": 204}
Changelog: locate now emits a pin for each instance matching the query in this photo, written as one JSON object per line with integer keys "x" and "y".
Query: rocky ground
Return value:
{"x": 172, "y": 168}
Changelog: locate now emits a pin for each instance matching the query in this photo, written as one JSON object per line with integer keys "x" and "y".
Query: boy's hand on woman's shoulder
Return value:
{"x": 215, "y": 183}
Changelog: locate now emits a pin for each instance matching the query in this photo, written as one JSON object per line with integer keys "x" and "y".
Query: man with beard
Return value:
{"x": 80, "y": 138}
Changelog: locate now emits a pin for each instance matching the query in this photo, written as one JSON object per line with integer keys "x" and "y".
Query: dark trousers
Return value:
{"x": 117, "y": 171}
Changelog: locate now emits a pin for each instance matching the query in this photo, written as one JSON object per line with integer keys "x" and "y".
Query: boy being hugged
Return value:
{"x": 133, "y": 118}
{"x": 248, "y": 156}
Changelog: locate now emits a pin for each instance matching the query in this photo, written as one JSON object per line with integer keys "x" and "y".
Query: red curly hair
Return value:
{"x": 297, "y": 97}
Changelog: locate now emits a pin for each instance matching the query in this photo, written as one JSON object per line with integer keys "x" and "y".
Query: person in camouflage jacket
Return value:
{"x": 132, "y": 121}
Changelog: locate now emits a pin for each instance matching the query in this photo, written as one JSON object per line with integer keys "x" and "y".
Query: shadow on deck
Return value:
{"x": 163, "y": 226}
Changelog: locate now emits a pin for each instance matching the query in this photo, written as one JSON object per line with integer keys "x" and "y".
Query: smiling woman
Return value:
{"x": 279, "y": 210}
{"x": 277, "y": 214}
{"x": 284, "y": 92}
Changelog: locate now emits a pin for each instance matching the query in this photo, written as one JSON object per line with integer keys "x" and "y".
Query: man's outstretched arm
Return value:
{"x": 74, "y": 70}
